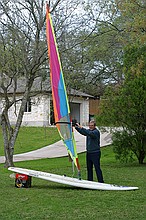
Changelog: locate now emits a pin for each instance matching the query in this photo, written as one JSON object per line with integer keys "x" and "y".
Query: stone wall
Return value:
{"x": 40, "y": 111}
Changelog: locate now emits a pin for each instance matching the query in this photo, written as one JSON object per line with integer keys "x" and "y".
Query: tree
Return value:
{"x": 124, "y": 104}
{"x": 91, "y": 48}
{"x": 133, "y": 20}
{"x": 121, "y": 24}
{"x": 125, "y": 107}
{"x": 23, "y": 55}
{"x": 99, "y": 53}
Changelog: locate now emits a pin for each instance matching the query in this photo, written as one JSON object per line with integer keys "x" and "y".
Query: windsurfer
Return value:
{"x": 93, "y": 150}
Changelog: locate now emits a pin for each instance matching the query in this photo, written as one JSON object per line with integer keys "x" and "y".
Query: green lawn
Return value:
{"x": 32, "y": 138}
{"x": 48, "y": 200}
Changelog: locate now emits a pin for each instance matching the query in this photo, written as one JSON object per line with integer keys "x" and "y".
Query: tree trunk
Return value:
{"x": 7, "y": 148}
{"x": 10, "y": 134}
{"x": 141, "y": 156}
{"x": 8, "y": 157}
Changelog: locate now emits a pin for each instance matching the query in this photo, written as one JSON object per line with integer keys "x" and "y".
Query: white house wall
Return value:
{"x": 84, "y": 112}
{"x": 39, "y": 115}
{"x": 40, "y": 111}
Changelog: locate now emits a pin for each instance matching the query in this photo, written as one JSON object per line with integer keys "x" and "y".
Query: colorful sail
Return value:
{"x": 59, "y": 94}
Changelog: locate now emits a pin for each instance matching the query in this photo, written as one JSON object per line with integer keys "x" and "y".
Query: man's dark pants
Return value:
{"x": 94, "y": 159}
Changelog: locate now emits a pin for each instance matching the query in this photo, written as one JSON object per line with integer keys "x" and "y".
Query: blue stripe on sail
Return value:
{"x": 62, "y": 97}
{"x": 69, "y": 144}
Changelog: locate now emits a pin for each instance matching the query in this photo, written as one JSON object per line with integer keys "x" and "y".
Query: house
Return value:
{"x": 39, "y": 110}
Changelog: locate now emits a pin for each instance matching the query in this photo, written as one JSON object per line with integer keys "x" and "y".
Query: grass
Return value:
{"x": 32, "y": 138}
{"x": 48, "y": 200}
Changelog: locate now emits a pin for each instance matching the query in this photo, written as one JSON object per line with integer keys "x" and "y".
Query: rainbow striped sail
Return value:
{"x": 59, "y": 94}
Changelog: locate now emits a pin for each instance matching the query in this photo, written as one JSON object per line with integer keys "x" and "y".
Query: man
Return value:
{"x": 93, "y": 150}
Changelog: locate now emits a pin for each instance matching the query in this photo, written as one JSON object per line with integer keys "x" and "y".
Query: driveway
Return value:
{"x": 58, "y": 149}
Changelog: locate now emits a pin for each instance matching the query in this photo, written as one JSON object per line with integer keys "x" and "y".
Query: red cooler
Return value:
{"x": 22, "y": 181}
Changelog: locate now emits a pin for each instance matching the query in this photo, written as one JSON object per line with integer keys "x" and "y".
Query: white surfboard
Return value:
{"x": 70, "y": 181}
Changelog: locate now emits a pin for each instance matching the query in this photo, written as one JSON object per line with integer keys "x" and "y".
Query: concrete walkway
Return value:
{"x": 58, "y": 149}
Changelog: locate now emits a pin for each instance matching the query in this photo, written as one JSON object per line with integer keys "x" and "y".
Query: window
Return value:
{"x": 28, "y": 106}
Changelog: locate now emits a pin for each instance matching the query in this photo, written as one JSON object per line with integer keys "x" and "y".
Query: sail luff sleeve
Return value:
{"x": 59, "y": 94}
{"x": 57, "y": 80}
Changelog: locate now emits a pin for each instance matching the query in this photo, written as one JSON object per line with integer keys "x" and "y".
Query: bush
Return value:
{"x": 124, "y": 145}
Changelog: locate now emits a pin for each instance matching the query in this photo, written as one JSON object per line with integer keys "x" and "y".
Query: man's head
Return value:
{"x": 92, "y": 125}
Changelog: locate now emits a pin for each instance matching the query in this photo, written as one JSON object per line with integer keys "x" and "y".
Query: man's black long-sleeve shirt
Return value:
{"x": 92, "y": 140}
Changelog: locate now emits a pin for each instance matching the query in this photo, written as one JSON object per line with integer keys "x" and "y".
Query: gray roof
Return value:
{"x": 40, "y": 85}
